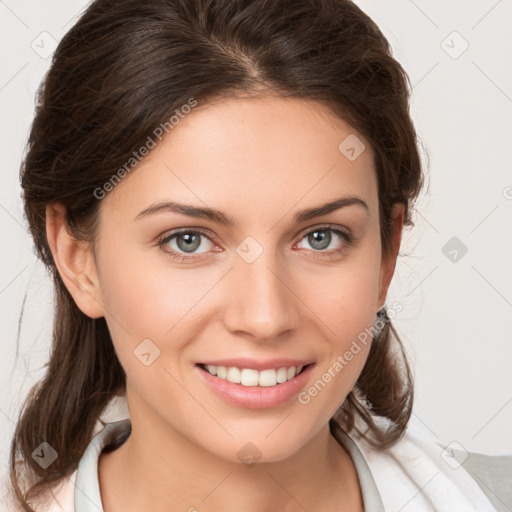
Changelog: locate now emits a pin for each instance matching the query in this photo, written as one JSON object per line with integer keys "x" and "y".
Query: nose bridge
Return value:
{"x": 262, "y": 304}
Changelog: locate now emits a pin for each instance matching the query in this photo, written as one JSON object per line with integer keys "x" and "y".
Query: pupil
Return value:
{"x": 189, "y": 240}
{"x": 322, "y": 237}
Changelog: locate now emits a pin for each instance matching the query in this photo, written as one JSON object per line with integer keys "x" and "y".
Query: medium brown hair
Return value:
{"x": 121, "y": 71}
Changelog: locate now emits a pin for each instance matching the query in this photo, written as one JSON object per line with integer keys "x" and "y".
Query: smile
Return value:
{"x": 252, "y": 388}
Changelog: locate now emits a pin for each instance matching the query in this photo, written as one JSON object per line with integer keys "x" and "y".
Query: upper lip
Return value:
{"x": 258, "y": 364}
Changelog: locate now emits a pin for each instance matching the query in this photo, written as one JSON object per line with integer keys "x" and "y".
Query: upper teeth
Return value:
{"x": 250, "y": 377}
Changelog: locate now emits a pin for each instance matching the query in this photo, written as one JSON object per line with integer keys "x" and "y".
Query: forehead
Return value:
{"x": 249, "y": 156}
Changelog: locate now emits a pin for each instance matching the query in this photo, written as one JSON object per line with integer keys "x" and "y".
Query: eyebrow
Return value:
{"x": 218, "y": 217}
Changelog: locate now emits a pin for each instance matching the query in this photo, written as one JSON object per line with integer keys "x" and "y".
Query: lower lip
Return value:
{"x": 256, "y": 397}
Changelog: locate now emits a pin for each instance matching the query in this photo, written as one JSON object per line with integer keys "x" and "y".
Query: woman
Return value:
{"x": 219, "y": 190}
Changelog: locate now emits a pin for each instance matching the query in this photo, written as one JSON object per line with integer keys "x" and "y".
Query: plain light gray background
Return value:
{"x": 456, "y": 322}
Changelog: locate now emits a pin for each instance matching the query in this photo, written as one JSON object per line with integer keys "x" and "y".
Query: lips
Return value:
{"x": 259, "y": 388}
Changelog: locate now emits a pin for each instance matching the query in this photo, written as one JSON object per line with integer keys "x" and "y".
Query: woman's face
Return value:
{"x": 274, "y": 289}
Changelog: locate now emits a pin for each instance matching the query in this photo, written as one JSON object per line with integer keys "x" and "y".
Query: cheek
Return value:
{"x": 146, "y": 299}
{"x": 344, "y": 296}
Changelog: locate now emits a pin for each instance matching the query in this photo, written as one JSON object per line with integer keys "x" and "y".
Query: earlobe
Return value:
{"x": 74, "y": 261}
{"x": 389, "y": 261}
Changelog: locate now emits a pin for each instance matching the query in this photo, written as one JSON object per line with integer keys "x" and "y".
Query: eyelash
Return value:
{"x": 348, "y": 240}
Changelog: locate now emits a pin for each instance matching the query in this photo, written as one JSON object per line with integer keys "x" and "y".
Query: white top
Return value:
{"x": 415, "y": 475}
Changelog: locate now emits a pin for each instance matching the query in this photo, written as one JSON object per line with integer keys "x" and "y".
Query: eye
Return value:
{"x": 323, "y": 237}
{"x": 181, "y": 243}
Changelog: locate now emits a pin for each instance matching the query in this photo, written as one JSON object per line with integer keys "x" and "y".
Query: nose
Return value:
{"x": 261, "y": 302}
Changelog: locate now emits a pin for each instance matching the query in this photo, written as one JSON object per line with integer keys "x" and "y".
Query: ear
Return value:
{"x": 75, "y": 262}
{"x": 389, "y": 260}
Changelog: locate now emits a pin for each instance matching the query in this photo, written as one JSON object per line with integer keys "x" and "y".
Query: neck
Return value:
{"x": 159, "y": 469}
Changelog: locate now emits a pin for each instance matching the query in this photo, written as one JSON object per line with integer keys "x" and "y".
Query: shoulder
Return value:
{"x": 60, "y": 497}
{"x": 113, "y": 426}
{"x": 493, "y": 473}
{"x": 422, "y": 473}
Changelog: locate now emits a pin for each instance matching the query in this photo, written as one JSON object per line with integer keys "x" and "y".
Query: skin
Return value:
{"x": 259, "y": 161}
